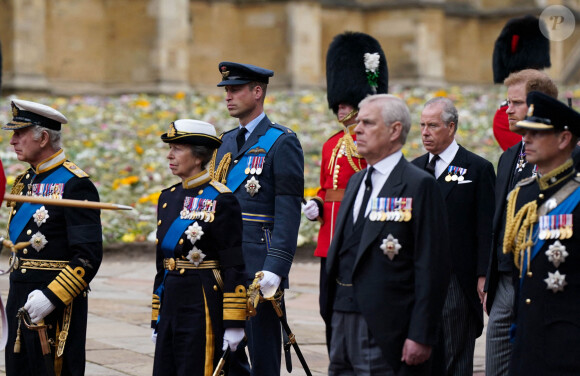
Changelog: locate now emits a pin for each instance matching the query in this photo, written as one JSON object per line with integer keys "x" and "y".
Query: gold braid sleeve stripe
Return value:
{"x": 155, "y": 305}
{"x": 68, "y": 284}
{"x": 209, "y": 340}
{"x": 235, "y": 304}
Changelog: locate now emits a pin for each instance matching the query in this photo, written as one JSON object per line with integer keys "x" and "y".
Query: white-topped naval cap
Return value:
{"x": 189, "y": 131}
{"x": 27, "y": 113}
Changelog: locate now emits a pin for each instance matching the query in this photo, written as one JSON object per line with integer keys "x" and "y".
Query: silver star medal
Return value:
{"x": 195, "y": 256}
{"x": 557, "y": 253}
{"x": 252, "y": 186}
{"x": 194, "y": 232}
{"x": 40, "y": 216}
{"x": 391, "y": 247}
{"x": 556, "y": 281}
{"x": 38, "y": 241}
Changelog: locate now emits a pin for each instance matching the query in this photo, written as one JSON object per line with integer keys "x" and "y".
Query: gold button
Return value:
{"x": 28, "y": 232}
{"x": 541, "y": 196}
{"x": 156, "y": 241}
{"x": 529, "y": 274}
{"x": 172, "y": 189}
{"x": 27, "y": 176}
{"x": 85, "y": 294}
{"x": 236, "y": 161}
{"x": 25, "y": 251}
{"x": 159, "y": 222}
{"x": 180, "y": 241}
{"x": 164, "y": 205}
{"x": 215, "y": 288}
{"x": 528, "y": 301}
{"x": 181, "y": 271}
{"x": 200, "y": 192}
{"x": 23, "y": 271}
{"x": 14, "y": 212}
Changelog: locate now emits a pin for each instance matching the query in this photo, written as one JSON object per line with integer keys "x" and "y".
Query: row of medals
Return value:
{"x": 207, "y": 214}
{"x": 455, "y": 176}
{"x": 395, "y": 216}
{"x": 555, "y": 232}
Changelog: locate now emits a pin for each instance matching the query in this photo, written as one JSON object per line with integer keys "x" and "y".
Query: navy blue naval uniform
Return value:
{"x": 61, "y": 268}
{"x": 197, "y": 303}
{"x": 270, "y": 213}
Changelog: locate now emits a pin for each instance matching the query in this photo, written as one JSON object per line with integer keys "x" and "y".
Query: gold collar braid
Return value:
{"x": 519, "y": 229}
{"x": 346, "y": 144}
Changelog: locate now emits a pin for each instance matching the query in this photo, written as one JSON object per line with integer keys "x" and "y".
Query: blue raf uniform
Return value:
{"x": 542, "y": 219}
{"x": 267, "y": 177}
{"x": 63, "y": 257}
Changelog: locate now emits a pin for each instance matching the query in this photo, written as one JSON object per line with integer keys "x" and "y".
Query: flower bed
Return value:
{"x": 116, "y": 141}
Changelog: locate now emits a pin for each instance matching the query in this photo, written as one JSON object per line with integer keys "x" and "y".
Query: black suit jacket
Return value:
{"x": 400, "y": 298}
{"x": 470, "y": 211}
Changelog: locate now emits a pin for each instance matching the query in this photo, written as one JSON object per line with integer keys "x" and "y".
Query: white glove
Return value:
{"x": 232, "y": 338}
{"x": 38, "y": 306}
{"x": 310, "y": 210}
{"x": 154, "y": 336}
{"x": 269, "y": 283}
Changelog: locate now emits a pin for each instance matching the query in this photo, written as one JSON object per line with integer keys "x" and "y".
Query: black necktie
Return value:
{"x": 367, "y": 195}
{"x": 430, "y": 167}
{"x": 241, "y": 137}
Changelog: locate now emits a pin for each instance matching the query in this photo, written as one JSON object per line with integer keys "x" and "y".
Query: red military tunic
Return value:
{"x": 339, "y": 162}
{"x": 501, "y": 130}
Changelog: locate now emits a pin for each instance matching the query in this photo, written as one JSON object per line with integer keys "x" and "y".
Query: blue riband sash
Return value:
{"x": 565, "y": 207}
{"x": 238, "y": 175}
{"x": 173, "y": 235}
{"x": 60, "y": 176}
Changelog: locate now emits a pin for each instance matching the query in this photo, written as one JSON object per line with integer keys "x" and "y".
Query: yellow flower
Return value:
{"x": 139, "y": 149}
{"x": 128, "y": 238}
{"x": 199, "y": 110}
{"x": 10, "y": 180}
{"x": 310, "y": 192}
{"x": 152, "y": 198}
{"x": 141, "y": 102}
{"x": 179, "y": 95}
{"x": 440, "y": 93}
{"x": 307, "y": 99}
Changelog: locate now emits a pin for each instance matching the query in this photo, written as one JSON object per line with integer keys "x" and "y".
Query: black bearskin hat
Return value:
{"x": 347, "y": 80}
{"x": 520, "y": 45}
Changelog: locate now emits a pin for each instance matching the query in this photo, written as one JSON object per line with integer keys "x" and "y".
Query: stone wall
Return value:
{"x": 114, "y": 46}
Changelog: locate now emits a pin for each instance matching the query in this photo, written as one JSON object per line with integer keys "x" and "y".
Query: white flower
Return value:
{"x": 372, "y": 62}
{"x": 194, "y": 232}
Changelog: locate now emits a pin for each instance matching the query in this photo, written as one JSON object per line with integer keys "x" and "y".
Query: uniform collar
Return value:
{"x": 196, "y": 180}
{"x": 51, "y": 162}
{"x": 253, "y": 124}
{"x": 558, "y": 175}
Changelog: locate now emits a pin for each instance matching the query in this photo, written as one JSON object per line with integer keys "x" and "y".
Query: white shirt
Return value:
{"x": 445, "y": 158}
{"x": 383, "y": 169}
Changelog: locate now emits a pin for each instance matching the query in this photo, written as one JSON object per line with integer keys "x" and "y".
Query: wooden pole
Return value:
{"x": 66, "y": 202}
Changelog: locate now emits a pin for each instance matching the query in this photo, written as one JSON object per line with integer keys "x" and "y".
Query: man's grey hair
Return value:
{"x": 393, "y": 109}
{"x": 448, "y": 111}
{"x": 53, "y": 136}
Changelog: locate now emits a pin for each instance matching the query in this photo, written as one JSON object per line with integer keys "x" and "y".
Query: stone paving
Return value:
{"x": 118, "y": 337}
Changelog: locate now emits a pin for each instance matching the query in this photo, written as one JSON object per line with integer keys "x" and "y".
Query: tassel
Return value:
{"x": 17, "y": 342}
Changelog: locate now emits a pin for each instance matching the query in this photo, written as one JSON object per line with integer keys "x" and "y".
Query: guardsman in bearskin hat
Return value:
{"x": 520, "y": 45}
{"x": 356, "y": 66}
{"x": 199, "y": 294}
{"x": 51, "y": 277}
{"x": 262, "y": 163}
{"x": 542, "y": 237}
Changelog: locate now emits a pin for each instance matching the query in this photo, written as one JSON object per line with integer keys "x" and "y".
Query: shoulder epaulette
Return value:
{"x": 75, "y": 169}
{"x": 231, "y": 130}
{"x": 221, "y": 188}
{"x": 170, "y": 188}
{"x": 525, "y": 181}
{"x": 283, "y": 128}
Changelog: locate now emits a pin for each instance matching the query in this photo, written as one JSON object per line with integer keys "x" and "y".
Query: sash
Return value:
{"x": 564, "y": 208}
{"x": 173, "y": 235}
{"x": 238, "y": 175}
{"x": 61, "y": 176}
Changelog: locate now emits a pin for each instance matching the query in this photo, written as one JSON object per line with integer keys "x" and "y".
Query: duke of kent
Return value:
{"x": 262, "y": 163}
{"x": 541, "y": 222}
{"x": 51, "y": 276}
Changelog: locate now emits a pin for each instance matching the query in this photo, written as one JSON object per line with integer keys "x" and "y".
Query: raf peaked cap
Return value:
{"x": 239, "y": 74}
{"x": 348, "y": 79}
{"x": 547, "y": 113}
{"x": 520, "y": 45}
{"x": 194, "y": 132}
{"x": 26, "y": 114}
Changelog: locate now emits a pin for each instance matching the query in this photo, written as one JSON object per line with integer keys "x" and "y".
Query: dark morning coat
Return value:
{"x": 400, "y": 298}
{"x": 470, "y": 212}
